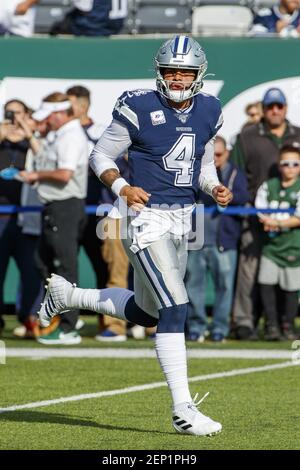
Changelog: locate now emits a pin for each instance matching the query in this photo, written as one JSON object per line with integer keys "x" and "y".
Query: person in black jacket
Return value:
{"x": 218, "y": 255}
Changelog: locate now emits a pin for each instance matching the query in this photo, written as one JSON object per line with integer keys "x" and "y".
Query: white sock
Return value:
{"x": 110, "y": 301}
{"x": 171, "y": 354}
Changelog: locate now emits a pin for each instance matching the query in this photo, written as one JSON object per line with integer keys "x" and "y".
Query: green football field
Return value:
{"x": 88, "y": 401}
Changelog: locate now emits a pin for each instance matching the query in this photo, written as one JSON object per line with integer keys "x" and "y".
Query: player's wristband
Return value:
{"x": 117, "y": 185}
{"x": 209, "y": 186}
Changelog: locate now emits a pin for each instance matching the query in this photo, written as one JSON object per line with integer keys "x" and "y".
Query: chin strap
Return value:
{"x": 208, "y": 75}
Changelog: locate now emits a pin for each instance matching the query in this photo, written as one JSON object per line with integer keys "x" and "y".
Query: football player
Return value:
{"x": 169, "y": 134}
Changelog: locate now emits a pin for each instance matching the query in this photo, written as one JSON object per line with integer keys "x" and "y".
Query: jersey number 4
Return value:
{"x": 180, "y": 159}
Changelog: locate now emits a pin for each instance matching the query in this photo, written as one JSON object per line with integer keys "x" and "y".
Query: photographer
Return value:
{"x": 14, "y": 144}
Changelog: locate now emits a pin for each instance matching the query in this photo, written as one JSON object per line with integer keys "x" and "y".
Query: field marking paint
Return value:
{"x": 124, "y": 353}
{"x": 150, "y": 386}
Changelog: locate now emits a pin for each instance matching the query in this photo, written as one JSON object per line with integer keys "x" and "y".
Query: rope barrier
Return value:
{"x": 91, "y": 210}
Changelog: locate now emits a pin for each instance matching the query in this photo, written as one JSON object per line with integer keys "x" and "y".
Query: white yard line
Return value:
{"x": 149, "y": 386}
{"x": 124, "y": 353}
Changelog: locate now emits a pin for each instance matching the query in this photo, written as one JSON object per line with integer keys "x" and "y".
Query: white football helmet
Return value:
{"x": 181, "y": 52}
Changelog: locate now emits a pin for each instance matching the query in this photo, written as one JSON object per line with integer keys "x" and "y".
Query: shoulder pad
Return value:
{"x": 125, "y": 109}
{"x": 208, "y": 95}
{"x": 139, "y": 92}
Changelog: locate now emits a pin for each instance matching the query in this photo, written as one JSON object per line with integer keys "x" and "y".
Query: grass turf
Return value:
{"x": 258, "y": 411}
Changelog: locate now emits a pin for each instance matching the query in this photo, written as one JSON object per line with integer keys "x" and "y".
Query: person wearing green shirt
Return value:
{"x": 279, "y": 272}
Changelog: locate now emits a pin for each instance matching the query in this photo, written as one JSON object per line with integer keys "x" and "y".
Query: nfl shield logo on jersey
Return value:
{"x": 182, "y": 117}
{"x": 157, "y": 117}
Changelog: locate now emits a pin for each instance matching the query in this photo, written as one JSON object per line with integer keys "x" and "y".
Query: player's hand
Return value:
{"x": 222, "y": 195}
{"x": 135, "y": 197}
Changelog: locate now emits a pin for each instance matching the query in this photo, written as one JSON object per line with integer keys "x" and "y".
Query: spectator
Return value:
{"x": 80, "y": 99}
{"x": 62, "y": 187}
{"x": 15, "y": 240}
{"x": 93, "y": 18}
{"x": 17, "y": 17}
{"x": 30, "y": 222}
{"x": 254, "y": 113}
{"x": 256, "y": 151}
{"x": 280, "y": 262}
{"x": 112, "y": 251}
{"x": 283, "y": 19}
{"x": 109, "y": 261}
{"x": 218, "y": 255}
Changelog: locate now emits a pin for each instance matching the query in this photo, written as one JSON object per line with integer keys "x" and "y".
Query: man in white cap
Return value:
{"x": 62, "y": 186}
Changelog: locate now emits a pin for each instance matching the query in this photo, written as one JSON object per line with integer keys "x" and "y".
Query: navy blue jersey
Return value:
{"x": 105, "y": 18}
{"x": 268, "y": 17}
{"x": 167, "y": 146}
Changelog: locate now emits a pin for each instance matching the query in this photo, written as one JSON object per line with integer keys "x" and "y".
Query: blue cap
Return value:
{"x": 274, "y": 95}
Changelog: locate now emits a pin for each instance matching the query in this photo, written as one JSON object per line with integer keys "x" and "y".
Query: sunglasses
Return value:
{"x": 289, "y": 163}
{"x": 219, "y": 154}
{"x": 272, "y": 105}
